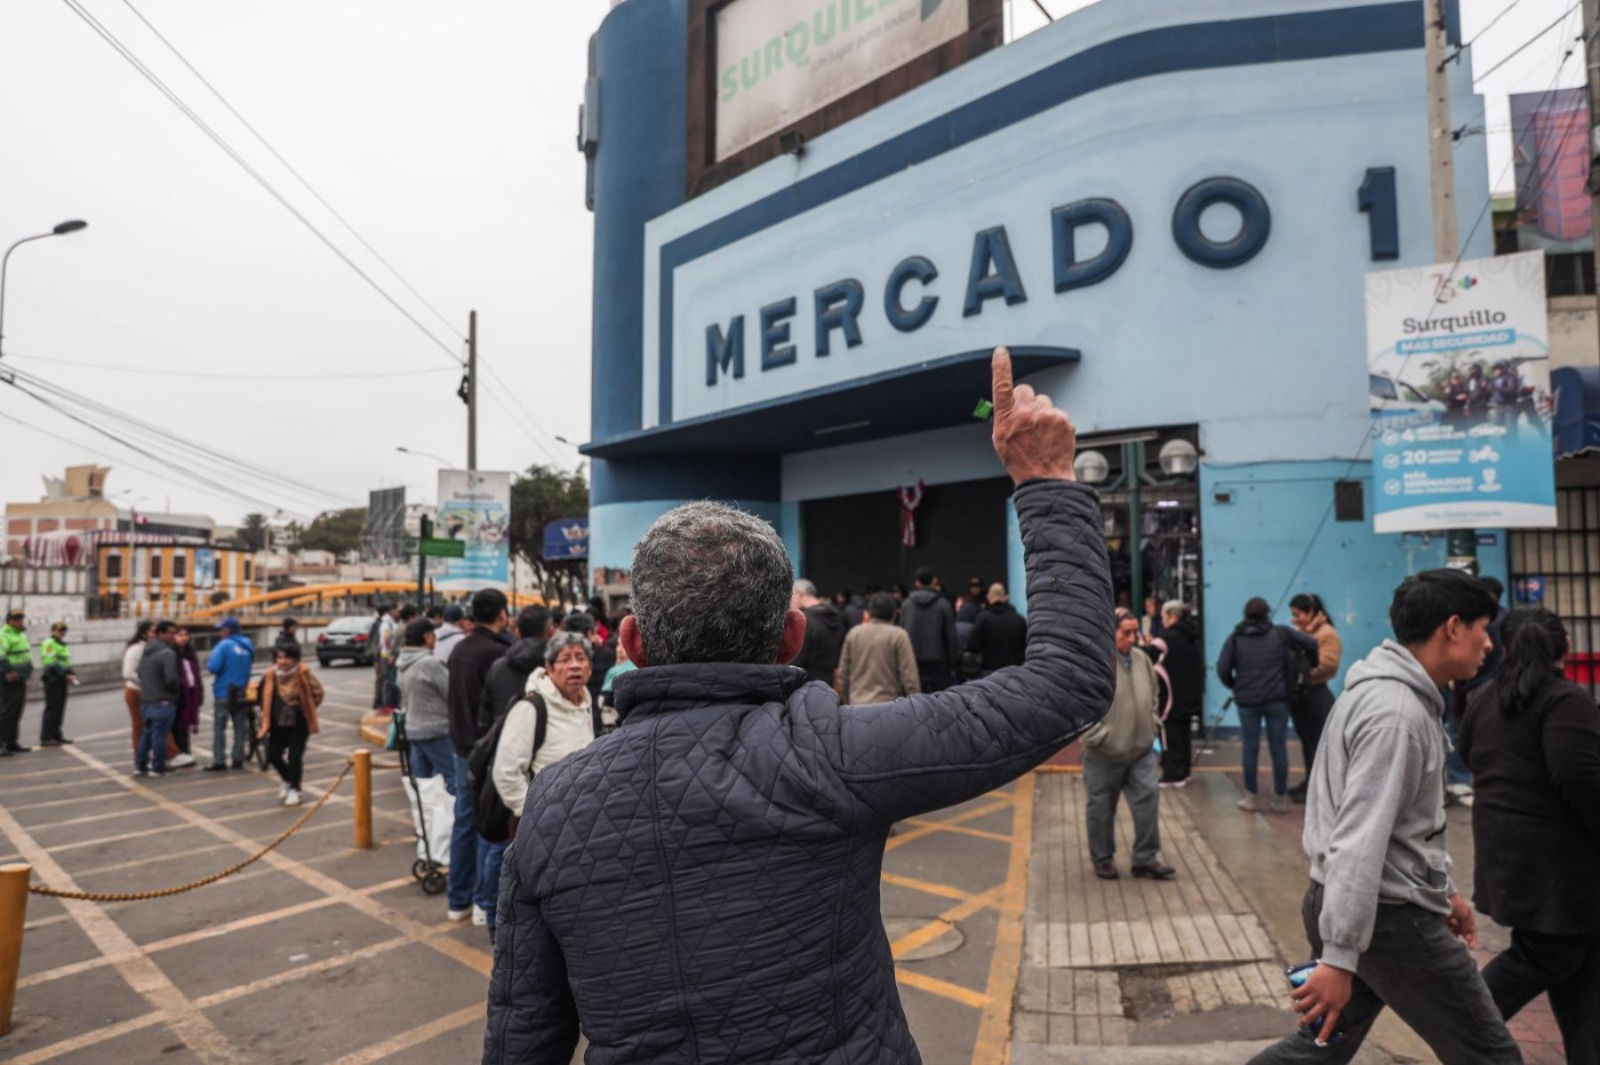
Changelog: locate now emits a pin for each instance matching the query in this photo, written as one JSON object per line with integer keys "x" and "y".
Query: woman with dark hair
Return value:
{"x": 1256, "y": 665}
{"x": 1309, "y": 711}
{"x": 192, "y": 690}
{"x": 132, "y": 655}
{"x": 1532, "y": 741}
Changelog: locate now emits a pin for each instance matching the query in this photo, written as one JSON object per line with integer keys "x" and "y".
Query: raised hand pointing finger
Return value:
{"x": 1033, "y": 439}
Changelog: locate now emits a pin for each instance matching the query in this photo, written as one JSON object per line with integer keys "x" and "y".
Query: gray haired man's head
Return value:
{"x": 711, "y": 583}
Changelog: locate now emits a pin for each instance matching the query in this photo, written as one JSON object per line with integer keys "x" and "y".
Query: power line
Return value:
{"x": 1476, "y": 36}
{"x": 227, "y": 376}
{"x": 1524, "y": 45}
{"x": 291, "y": 168}
{"x": 121, "y": 49}
{"x": 516, "y": 416}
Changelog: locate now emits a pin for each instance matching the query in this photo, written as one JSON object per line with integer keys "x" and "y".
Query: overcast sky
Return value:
{"x": 443, "y": 133}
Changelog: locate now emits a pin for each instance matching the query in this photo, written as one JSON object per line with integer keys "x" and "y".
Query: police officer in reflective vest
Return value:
{"x": 55, "y": 661}
{"x": 16, "y": 663}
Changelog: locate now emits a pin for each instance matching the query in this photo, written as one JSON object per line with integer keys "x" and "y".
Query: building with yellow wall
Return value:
{"x": 142, "y": 575}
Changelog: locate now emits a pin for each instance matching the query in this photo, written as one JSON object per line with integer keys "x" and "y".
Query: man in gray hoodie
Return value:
{"x": 1382, "y": 909}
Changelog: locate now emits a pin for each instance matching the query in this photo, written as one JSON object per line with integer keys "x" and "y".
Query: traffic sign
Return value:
{"x": 436, "y": 548}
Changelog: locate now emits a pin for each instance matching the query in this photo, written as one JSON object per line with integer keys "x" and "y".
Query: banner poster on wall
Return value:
{"x": 1458, "y": 365}
{"x": 475, "y": 507}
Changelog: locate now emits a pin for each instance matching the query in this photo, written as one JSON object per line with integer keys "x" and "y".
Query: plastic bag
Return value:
{"x": 439, "y": 808}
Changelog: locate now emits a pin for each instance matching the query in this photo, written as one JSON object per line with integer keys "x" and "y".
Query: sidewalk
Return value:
{"x": 1123, "y": 971}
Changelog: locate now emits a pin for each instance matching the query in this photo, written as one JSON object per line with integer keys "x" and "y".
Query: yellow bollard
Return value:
{"x": 13, "y": 911}
{"x": 363, "y": 775}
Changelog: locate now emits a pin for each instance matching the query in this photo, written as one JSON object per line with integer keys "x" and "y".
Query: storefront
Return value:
{"x": 1165, "y": 210}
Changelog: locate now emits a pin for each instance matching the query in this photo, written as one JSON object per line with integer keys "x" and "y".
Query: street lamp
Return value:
{"x": 59, "y": 231}
{"x": 440, "y": 459}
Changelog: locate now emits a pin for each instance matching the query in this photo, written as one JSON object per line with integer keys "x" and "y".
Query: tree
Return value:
{"x": 253, "y": 533}
{"x": 339, "y": 531}
{"x": 545, "y": 494}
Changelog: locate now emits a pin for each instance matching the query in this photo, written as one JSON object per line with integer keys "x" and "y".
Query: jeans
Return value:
{"x": 1568, "y": 967}
{"x": 1276, "y": 715}
{"x": 290, "y": 741}
{"x": 223, "y": 709}
{"x": 1455, "y": 767}
{"x": 1418, "y": 969}
{"x": 1105, "y": 781}
{"x": 156, "y": 721}
{"x": 1310, "y": 714}
{"x": 55, "y": 707}
{"x": 463, "y": 840}
{"x": 434, "y": 758}
{"x": 490, "y": 857}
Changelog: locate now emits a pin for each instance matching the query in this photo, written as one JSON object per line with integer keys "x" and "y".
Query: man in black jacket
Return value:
{"x": 930, "y": 621}
{"x": 474, "y": 862}
{"x": 507, "y": 679}
{"x": 819, "y": 655}
{"x": 701, "y": 885}
{"x": 1000, "y": 634}
{"x": 1186, "y": 679}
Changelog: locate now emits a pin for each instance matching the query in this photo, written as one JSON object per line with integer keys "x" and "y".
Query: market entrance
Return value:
{"x": 854, "y": 542}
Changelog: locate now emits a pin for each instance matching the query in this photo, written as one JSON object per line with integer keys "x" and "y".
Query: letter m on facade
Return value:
{"x": 725, "y": 352}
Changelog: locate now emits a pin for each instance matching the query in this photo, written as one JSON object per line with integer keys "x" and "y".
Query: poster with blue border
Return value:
{"x": 1458, "y": 372}
{"x": 475, "y": 506}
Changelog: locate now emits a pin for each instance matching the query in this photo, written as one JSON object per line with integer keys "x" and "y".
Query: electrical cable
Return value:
{"x": 522, "y": 422}
{"x": 1525, "y": 44}
{"x": 226, "y": 376}
{"x": 1476, "y": 36}
{"x": 127, "y": 54}
{"x": 291, "y": 168}
{"x": 200, "y": 455}
{"x": 1540, "y": 174}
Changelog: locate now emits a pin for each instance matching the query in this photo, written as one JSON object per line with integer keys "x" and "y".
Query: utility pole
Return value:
{"x": 472, "y": 390}
{"x": 1461, "y": 545}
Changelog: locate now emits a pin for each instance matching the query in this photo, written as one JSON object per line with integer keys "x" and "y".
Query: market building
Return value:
{"x": 814, "y": 220}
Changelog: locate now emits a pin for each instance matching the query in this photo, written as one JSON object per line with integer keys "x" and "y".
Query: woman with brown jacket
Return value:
{"x": 1309, "y": 712}
{"x": 290, "y": 695}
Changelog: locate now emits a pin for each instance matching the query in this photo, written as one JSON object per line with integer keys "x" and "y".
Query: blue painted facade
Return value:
{"x": 1049, "y": 195}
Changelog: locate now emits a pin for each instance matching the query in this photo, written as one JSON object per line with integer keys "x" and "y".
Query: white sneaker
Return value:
{"x": 291, "y": 798}
{"x": 181, "y": 761}
{"x": 283, "y": 792}
{"x": 1460, "y": 791}
{"x": 1249, "y": 804}
{"x": 458, "y": 915}
{"x": 480, "y": 916}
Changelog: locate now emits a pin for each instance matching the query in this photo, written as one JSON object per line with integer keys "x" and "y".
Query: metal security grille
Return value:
{"x": 1564, "y": 564}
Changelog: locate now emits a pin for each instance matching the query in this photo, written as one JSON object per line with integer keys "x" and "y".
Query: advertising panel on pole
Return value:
{"x": 566, "y": 538}
{"x": 1458, "y": 366}
{"x": 383, "y": 539}
{"x": 777, "y": 61}
{"x": 475, "y": 508}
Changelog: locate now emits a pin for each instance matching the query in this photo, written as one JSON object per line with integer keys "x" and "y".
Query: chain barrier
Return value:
{"x": 140, "y": 896}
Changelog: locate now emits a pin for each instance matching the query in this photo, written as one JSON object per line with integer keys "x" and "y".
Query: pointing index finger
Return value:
{"x": 1004, "y": 397}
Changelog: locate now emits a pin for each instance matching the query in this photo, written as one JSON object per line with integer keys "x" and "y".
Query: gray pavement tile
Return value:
{"x": 429, "y": 909}
{"x": 360, "y": 869}
{"x": 333, "y": 1013}
{"x": 215, "y": 904}
{"x": 157, "y": 1043}
{"x": 968, "y": 965}
{"x": 138, "y": 819}
{"x": 464, "y": 1044}
{"x": 945, "y": 1031}
{"x": 999, "y": 822}
{"x": 970, "y": 863}
{"x": 245, "y": 955}
{"x": 60, "y": 1009}
{"x": 56, "y": 944}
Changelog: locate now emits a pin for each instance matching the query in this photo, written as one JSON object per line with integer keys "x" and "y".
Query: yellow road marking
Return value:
{"x": 87, "y": 1039}
{"x": 993, "y": 1045}
{"x": 944, "y": 826}
{"x": 943, "y": 988}
{"x": 927, "y": 887}
{"x": 415, "y": 1036}
{"x": 927, "y": 828}
{"x": 937, "y": 927}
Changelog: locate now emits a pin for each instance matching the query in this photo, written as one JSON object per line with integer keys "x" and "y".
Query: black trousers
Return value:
{"x": 11, "y": 699}
{"x": 1177, "y": 759}
{"x": 1418, "y": 969}
{"x": 55, "y": 707}
{"x": 1309, "y": 714}
{"x": 934, "y": 676}
{"x": 1568, "y": 967}
{"x": 286, "y": 749}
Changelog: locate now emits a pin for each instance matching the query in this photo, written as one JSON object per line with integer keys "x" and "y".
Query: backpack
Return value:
{"x": 490, "y": 815}
{"x": 1296, "y": 665}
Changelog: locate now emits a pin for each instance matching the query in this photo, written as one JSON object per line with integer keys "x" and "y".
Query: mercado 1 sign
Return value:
{"x": 779, "y": 60}
{"x": 1458, "y": 364}
{"x": 475, "y": 508}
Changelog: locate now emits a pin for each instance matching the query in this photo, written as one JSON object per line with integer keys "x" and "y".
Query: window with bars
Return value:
{"x": 1560, "y": 569}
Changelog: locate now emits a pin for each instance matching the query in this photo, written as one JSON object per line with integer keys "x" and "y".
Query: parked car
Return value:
{"x": 345, "y": 638}
{"x": 1388, "y": 394}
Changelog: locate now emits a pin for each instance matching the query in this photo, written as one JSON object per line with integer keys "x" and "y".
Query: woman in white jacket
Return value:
{"x": 569, "y": 720}
{"x": 132, "y": 655}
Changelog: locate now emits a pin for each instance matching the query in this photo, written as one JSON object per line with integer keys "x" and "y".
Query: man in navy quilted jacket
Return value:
{"x": 701, "y": 885}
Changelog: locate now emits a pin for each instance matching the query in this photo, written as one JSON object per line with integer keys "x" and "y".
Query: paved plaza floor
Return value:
{"x": 1006, "y": 946}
